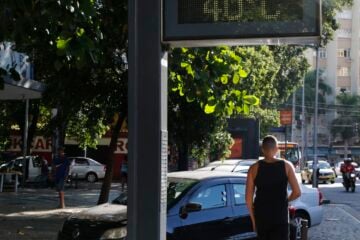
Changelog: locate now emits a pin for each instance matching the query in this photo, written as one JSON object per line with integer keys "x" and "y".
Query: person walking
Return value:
{"x": 268, "y": 181}
{"x": 124, "y": 173}
{"x": 61, "y": 164}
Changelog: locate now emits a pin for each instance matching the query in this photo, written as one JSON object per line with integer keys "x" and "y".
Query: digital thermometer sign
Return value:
{"x": 214, "y": 22}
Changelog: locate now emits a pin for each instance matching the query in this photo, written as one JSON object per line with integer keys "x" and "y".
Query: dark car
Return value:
{"x": 201, "y": 205}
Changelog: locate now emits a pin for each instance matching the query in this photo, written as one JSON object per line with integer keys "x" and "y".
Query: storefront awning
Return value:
{"x": 20, "y": 90}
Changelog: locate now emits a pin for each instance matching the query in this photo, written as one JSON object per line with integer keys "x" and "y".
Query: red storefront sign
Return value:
{"x": 286, "y": 117}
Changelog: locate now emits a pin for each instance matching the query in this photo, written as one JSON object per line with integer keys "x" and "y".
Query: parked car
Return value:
{"x": 230, "y": 165}
{"x": 32, "y": 163}
{"x": 201, "y": 205}
{"x": 325, "y": 172}
{"x": 86, "y": 168}
{"x": 308, "y": 206}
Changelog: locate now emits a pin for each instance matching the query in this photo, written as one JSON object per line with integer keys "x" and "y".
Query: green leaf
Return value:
{"x": 236, "y": 78}
{"x": 62, "y": 43}
{"x": 251, "y": 100}
{"x": 242, "y": 73}
{"x": 246, "y": 109}
{"x": 184, "y": 64}
{"x": 190, "y": 71}
{"x": 80, "y": 32}
{"x": 224, "y": 79}
{"x": 209, "y": 109}
{"x": 184, "y": 50}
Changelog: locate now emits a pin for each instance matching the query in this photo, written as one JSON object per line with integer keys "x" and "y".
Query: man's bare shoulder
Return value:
{"x": 253, "y": 168}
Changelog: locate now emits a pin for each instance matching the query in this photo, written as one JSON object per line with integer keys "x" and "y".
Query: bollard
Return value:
{"x": 304, "y": 229}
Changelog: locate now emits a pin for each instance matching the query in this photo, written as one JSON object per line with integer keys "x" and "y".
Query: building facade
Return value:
{"x": 340, "y": 66}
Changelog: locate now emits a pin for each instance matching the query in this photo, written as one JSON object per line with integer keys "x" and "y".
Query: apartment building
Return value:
{"x": 340, "y": 63}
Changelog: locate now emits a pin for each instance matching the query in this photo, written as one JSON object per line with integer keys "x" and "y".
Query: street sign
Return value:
{"x": 285, "y": 117}
{"x": 241, "y": 22}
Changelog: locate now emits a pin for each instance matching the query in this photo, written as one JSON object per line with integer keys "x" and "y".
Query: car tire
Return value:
{"x": 297, "y": 219}
{"x": 303, "y": 181}
{"x": 91, "y": 177}
{"x": 332, "y": 181}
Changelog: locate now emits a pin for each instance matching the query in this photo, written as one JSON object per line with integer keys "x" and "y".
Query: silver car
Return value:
{"x": 86, "y": 168}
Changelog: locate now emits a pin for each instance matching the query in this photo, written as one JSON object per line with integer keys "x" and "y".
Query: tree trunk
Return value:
{"x": 105, "y": 188}
{"x": 183, "y": 163}
{"x": 32, "y": 127}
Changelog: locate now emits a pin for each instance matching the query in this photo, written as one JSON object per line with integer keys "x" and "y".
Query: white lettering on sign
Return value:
{"x": 42, "y": 144}
{"x": 39, "y": 144}
{"x": 122, "y": 146}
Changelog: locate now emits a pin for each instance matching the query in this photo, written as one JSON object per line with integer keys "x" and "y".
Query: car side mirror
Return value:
{"x": 188, "y": 208}
{"x": 193, "y": 207}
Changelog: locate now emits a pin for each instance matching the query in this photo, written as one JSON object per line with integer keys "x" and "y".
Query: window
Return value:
{"x": 212, "y": 197}
{"x": 343, "y": 52}
{"x": 176, "y": 188}
{"x": 343, "y": 72}
{"x": 239, "y": 193}
{"x": 80, "y": 161}
{"x": 322, "y": 53}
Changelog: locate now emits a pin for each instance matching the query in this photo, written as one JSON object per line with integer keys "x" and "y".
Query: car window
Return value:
{"x": 239, "y": 193}
{"x": 81, "y": 161}
{"x": 211, "y": 197}
{"x": 176, "y": 188}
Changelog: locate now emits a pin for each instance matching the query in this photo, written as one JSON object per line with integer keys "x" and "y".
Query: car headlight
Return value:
{"x": 115, "y": 233}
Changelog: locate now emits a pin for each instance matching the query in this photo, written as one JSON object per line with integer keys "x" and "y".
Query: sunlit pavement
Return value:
{"x": 33, "y": 213}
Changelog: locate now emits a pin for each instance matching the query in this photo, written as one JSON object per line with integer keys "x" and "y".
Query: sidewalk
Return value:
{"x": 340, "y": 222}
{"x": 33, "y": 213}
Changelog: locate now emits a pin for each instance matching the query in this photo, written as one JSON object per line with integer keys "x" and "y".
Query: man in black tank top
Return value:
{"x": 268, "y": 180}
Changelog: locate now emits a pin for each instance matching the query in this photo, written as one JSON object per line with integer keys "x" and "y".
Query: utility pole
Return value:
{"x": 293, "y": 125}
{"x": 315, "y": 131}
{"x": 25, "y": 141}
{"x": 148, "y": 141}
{"x": 303, "y": 122}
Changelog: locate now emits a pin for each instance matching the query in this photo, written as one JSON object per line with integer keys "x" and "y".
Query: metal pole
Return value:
{"x": 25, "y": 140}
{"x": 315, "y": 162}
{"x": 303, "y": 122}
{"x": 293, "y": 123}
{"x": 286, "y": 133}
{"x": 147, "y": 123}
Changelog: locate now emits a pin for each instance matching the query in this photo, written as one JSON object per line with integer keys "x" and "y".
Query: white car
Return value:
{"x": 308, "y": 206}
{"x": 230, "y": 165}
{"x": 86, "y": 168}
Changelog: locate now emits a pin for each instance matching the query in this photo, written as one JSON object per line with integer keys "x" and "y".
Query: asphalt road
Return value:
{"x": 337, "y": 195}
{"x": 341, "y": 219}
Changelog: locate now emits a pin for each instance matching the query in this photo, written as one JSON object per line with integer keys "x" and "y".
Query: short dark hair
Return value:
{"x": 269, "y": 142}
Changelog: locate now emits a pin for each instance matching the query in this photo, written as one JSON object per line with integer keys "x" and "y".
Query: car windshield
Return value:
{"x": 246, "y": 163}
{"x": 321, "y": 165}
{"x": 177, "y": 187}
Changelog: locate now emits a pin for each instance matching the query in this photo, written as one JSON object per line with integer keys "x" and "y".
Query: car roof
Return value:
{"x": 230, "y": 161}
{"x": 200, "y": 175}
